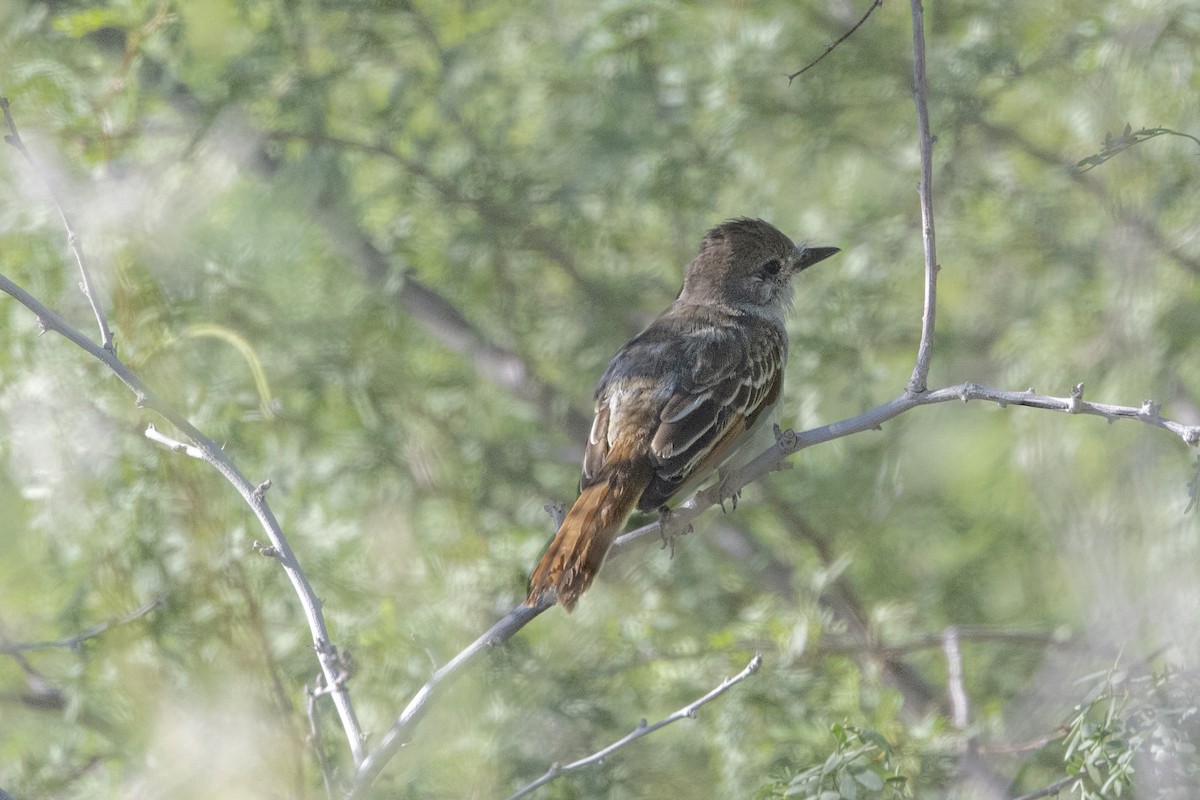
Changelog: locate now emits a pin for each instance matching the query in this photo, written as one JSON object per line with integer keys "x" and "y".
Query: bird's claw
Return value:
{"x": 724, "y": 494}
{"x": 668, "y": 536}
{"x": 786, "y": 439}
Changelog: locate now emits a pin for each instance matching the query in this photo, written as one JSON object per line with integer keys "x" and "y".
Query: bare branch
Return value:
{"x": 73, "y": 642}
{"x": 154, "y": 435}
{"x": 841, "y": 598}
{"x": 1146, "y": 226}
{"x": 397, "y": 736}
{"x": 212, "y": 453}
{"x": 1060, "y": 638}
{"x": 687, "y": 712}
{"x": 531, "y": 235}
{"x": 917, "y": 383}
{"x": 959, "y": 708}
{"x": 681, "y": 517}
{"x": 443, "y": 321}
{"x": 317, "y": 743}
{"x": 1114, "y": 145}
{"x": 830, "y": 48}
{"x": 791, "y": 442}
{"x": 1051, "y": 790}
{"x": 89, "y": 289}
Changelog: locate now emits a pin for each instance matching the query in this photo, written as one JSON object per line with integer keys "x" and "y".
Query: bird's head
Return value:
{"x": 748, "y": 265}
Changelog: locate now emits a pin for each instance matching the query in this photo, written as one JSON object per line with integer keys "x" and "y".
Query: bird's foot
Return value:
{"x": 664, "y": 529}
{"x": 724, "y": 493}
{"x": 786, "y": 439}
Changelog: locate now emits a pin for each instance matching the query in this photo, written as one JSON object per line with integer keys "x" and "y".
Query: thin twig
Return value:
{"x": 442, "y": 319}
{"x": 965, "y": 633}
{"x": 917, "y": 383}
{"x": 73, "y": 642}
{"x": 790, "y": 442}
{"x": 1052, "y": 789}
{"x": 153, "y": 434}
{"x": 254, "y": 496}
{"x": 86, "y": 285}
{"x": 959, "y": 709}
{"x": 42, "y": 694}
{"x": 687, "y": 712}
{"x": 1147, "y": 226}
{"x": 211, "y": 452}
{"x": 770, "y": 460}
{"x": 318, "y": 744}
{"x": 840, "y": 39}
{"x": 1113, "y": 145}
{"x": 398, "y": 735}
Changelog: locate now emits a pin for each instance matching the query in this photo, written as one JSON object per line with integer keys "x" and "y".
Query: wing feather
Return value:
{"x": 685, "y": 396}
{"x": 737, "y": 377}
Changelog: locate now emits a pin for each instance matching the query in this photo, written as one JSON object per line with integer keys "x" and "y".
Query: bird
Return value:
{"x": 683, "y": 397}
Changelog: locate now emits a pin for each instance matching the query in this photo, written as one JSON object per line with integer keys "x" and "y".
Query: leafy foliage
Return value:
{"x": 381, "y": 251}
{"x": 1129, "y": 724}
{"x": 857, "y": 768}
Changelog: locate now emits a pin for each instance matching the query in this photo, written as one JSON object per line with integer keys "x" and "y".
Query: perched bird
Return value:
{"x": 683, "y": 396}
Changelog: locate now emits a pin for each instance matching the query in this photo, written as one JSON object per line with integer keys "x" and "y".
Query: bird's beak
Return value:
{"x": 807, "y": 256}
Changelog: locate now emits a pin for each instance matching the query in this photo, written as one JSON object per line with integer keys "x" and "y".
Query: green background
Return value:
{"x": 382, "y": 251}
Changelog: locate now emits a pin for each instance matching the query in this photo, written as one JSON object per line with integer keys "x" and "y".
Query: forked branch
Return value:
{"x": 211, "y": 452}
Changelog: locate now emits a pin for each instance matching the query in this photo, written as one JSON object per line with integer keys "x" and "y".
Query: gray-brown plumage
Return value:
{"x": 683, "y": 396}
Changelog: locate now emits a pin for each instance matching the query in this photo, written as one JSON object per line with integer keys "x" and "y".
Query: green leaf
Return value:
{"x": 81, "y": 23}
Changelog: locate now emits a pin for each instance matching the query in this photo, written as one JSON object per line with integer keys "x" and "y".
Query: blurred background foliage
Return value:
{"x": 429, "y": 225}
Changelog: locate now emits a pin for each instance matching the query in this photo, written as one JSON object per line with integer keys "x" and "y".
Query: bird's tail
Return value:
{"x": 586, "y": 533}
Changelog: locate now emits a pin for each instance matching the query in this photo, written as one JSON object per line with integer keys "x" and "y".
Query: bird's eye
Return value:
{"x": 773, "y": 266}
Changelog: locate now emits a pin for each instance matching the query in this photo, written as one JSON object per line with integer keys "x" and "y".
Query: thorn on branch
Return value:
{"x": 1075, "y": 403}
{"x": 266, "y": 550}
{"x": 261, "y": 489}
{"x": 1149, "y": 409}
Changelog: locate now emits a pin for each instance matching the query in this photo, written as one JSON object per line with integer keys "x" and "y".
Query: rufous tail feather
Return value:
{"x": 586, "y": 533}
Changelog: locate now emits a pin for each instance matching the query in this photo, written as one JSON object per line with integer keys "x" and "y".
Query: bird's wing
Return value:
{"x": 684, "y": 398}
{"x": 735, "y": 375}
